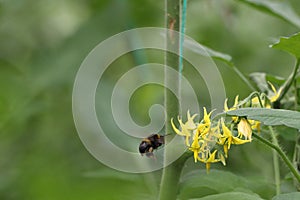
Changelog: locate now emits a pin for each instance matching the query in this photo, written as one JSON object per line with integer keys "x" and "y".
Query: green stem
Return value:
{"x": 259, "y": 99}
{"x": 288, "y": 83}
{"x": 296, "y": 159}
{"x": 172, "y": 60}
{"x": 171, "y": 174}
{"x": 275, "y": 161}
{"x": 281, "y": 154}
{"x": 296, "y": 95}
{"x": 241, "y": 75}
{"x": 170, "y": 179}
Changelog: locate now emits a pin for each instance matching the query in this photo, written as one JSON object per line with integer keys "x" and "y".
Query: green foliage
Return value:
{"x": 261, "y": 79}
{"x": 217, "y": 183}
{"x": 289, "y": 196}
{"x": 290, "y": 44}
{"x": 231, "y": 196}
{"x": 270, "y": 117}
{"x": 42, "y": 47}
{"x": 206, "y": 51}
{"x": 278, "y": 8}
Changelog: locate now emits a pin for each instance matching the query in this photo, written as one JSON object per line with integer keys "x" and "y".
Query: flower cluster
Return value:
{"x": 210, "y": 140}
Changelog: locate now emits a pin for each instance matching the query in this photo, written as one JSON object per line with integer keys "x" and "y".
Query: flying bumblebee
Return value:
{"x": 150, "y": 143}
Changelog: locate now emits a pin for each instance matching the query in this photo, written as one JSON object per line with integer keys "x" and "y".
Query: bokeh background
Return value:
{"x": 42, "y": 44}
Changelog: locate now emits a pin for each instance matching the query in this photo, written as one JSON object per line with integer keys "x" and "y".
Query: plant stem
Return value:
{"x": 171, "y": 173}
{"x": 296, "y": 160}
{"x": 242, "y": 76}
{"x": 281, "y": 154}
{"x": 296, "y": 95}
{"x": 170, "y": 179}
{"x": 275, "y": 161}
{"x": 288, "y": 83}
{"x": 172, "y": 60}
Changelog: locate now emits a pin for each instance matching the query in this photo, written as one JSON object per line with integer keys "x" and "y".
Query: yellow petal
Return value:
{"x": 190, "y": 121}
{"x": 276, "y": 94}
{"x": 236, "y": 101}
{"x": 255, "y": 125}
{"x": 212, "y": 156}
{"x": 187, "y": 141}
{"x": 207, "y": 167}
{"x": 234, "y": 107}
{"x": 225, "y": 147}
{"x": 225, "y": 105}
{"x": 195, "y": 144}
{"x": 206, "y": 117}
{"x": 222, "y": 158}
{"x": 196, "y": 156}
{"x": 255, "y": 101}
{"x": 236, "y": 140}
{"x": 272, "y": 87}
{"x": 175, "y": 129}
{"x": 211, "y": 159}
{"x": 195, "y": 147}
{"x": 226, "y": 131}
{"x": 244, "y": 129}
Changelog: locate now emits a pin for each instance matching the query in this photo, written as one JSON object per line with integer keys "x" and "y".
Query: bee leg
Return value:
{"x": 151, "y": 155}
{"x": 151, "y": 149}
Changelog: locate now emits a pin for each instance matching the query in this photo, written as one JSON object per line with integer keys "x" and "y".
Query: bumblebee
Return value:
{"x": 150, "y": 143}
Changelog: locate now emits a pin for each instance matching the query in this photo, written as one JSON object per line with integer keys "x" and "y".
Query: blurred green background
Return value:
{"x": 42, "y": 44}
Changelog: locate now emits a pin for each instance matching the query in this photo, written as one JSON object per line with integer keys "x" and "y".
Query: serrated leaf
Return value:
{"x": 270, "y": 117}
{"x": 231, "y": 196}
{"x": 288, "y": 196}
{"x": 278, "y": 8}
{"x": 206, "y": 51}
{"x": 289, "y": 44}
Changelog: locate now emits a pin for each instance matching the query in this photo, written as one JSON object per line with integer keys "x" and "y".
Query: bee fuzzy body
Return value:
{"x": 149, "y": 144}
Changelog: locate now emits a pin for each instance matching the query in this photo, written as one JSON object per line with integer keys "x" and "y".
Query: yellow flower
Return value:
{"x": 211, "y": 159}
{"x": 206, "y": 117}
{"x": 229, "y": 139}
{"x": 195, "y": 147}
{"x": 255, "y": 125}
{"x": 204, "y": 126}
{"x": 255, "y": 103}
{"x": 234, "y": 107}
{"x": 186, "y": 128}
{"x": 190, "y": 121}
{"x": 244, "y": 129}
{"x": 276, "y": 94}
{"x": 222, "y": 159}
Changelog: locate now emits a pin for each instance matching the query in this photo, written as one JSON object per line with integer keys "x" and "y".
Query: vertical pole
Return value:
{"x": 171, "y": 173}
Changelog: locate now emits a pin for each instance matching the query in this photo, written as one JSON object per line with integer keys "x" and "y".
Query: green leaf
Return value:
{"x": 220, "y": 56}
{"x": 261, "y": 80}
{"x": 231, "y": 196}
{"x": 206, "y": 51}
{"x": 278, "y": 8}
{"x": 289, "y": 196}
{"x": 289, "y": 44}
{"x": 270, "y": 117}
{"x": 288, "y": 134}
{"x": 198, "y": 183}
